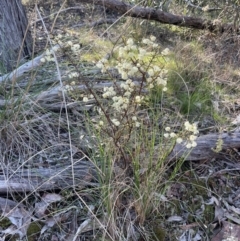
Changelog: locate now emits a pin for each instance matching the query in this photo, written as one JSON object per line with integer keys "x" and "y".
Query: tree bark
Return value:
{"x": 15, "y": 39}
{"x": 160, "y": 16}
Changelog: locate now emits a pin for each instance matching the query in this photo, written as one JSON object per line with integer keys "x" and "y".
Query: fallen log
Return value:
{"x": 83, "y": 173}
{"x": 27, "y": 67}
{"x": 80, "y": 174}
{"x": 207, "y": 147}
{"x": 158, "y": 15}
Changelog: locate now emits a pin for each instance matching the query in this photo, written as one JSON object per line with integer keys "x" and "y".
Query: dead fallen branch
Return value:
{"x": 40, "y": 179}
{"x": 208, "y": 146}
{"x": 136, "y": 11}
{"x": 52, "y": 99}
{"x": 30, "y": 65}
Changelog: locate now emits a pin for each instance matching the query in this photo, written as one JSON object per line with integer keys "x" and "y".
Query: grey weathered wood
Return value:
{"x": 40, "y": 179}
{"x": 15, "y": 39}
{"x": 206, "y": 146}
{"x": 26, "y": 67}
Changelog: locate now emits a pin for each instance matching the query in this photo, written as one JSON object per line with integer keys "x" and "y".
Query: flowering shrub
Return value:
{"x": 134, "y": 61}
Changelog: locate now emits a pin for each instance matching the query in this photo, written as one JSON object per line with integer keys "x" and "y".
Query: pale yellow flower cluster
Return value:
{"x": 48, "y": 57}
{"x": 206, "y": 8}
{"x": 170, "y": 134}
{"x": 190, "y": 135}
{"x": 67, "y": 88}
{"x": 58, "y": 40}
{"x": 69, "y": 45}
{"x": 139, "y": 99}
{"x": 73, "y": 75}
{"x": 150, "y": 42}
{"x": 108, "y": 92}
{"x": 74, "y": 47}
{"x": 128, "y": 86}
{"x": 115, "y": 122}
{"x": 165, "y": 52}
{"x": 157, "y": 77}
{"x": 120, "y": 102}
{"x": 86, "y": 98}
{"x": 133, "y": 60}
{"x": 135, "y": 120}
{"x": 127, "y": 69}
{"x": 103, "y": 65}
{"x": 191, "y": 128}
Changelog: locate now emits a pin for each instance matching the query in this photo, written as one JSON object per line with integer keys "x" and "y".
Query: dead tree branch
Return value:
{"x": 27, "y": 67}
{"x": 207, "y": 146}
{"x": 160, "y": 16}
{"x": 41, "y": 179}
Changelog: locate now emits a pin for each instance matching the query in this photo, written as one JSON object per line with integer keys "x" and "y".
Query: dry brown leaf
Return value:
{"x": 57, "y": 218}
{"x": 219, "y": 214}
{"x": 19, "y": 217}
{"x": 229, "y": 232}
{"x": 47, "y": 199}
